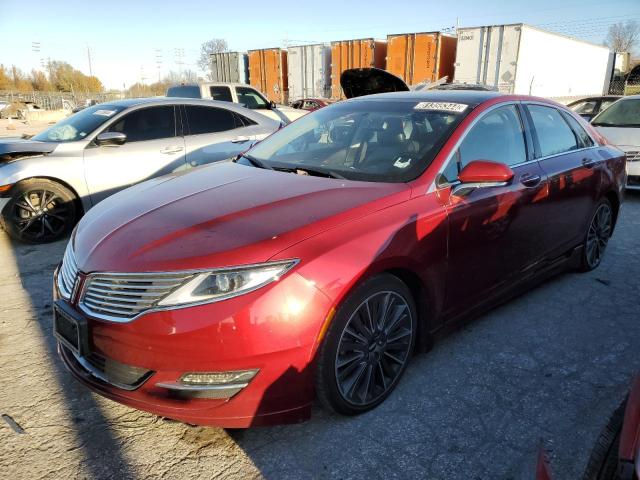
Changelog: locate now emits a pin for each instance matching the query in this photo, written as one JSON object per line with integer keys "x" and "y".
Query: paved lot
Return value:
{"x": 550, "y": 365}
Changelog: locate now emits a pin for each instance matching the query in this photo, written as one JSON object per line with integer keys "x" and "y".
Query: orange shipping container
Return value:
{"x": 347, "y": 54}
{"x": 268, "y": 73}
{"x": 420, "y": 57}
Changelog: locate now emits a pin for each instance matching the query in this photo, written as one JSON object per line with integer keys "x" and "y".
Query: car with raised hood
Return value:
{"x": 620, "y": 124}
{"x": 239, "y": 93}
{"x": 48, "y": 181}
{"x": 321, "y": 259}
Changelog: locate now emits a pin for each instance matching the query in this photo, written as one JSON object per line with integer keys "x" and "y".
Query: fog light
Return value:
{"x": 218, "y": 378}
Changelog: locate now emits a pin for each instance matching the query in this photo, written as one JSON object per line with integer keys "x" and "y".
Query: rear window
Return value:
{"x": 184, "y": 91}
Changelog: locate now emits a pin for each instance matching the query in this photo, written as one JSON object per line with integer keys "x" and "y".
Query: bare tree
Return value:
{"x": 215, "y": 45}
{"x": 623, "y": 36}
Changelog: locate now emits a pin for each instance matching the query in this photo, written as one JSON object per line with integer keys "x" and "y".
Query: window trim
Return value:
{"x": 560, "y": 111}
{"x": 436, "y": 185}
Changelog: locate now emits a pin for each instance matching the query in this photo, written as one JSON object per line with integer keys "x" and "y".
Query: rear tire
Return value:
{"x": 597, "y": 236}
{"x": 367, "y": 346}
{"x": 39, "y": 211}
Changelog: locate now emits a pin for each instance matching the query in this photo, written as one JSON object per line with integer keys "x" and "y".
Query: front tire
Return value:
{"x": 367, "y": 347}
{"x": 597, "y": 236}
{"x": 40, "y": 211}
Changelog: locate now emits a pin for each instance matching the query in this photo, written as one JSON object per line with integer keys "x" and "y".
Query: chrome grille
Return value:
{"x": 633, "y": 156}
{"x": 67, "y": 273}
{"x": 121, "y": 297}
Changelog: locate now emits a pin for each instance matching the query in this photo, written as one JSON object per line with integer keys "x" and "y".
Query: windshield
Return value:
{"x": 623, "y": 113}
{"x": 372, "y": 140}
{"x": 78, "y": 125}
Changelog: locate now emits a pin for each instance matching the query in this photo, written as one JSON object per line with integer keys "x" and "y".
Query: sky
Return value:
{"x": 127, "y": 39}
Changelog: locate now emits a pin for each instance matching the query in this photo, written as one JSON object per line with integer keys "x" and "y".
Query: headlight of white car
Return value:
{"x": 225, "y": 283}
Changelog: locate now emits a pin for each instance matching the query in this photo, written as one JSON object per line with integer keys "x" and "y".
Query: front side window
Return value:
{"x": 79, "y": 125}
{"x": 497, "y": 137}
{"x": 209, "y": 119}
{"x": 150, "y": 123}
{"x": 251, "y": 99}
{"x": 554, "y": 134}
{"x": 623, "y": 113}
{"x": 369, "y": 140}
{"x": 222, "y": 94}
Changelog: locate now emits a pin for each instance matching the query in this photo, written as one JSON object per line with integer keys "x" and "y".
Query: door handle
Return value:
{"x": 588, "y": 163}
{"x": 240, "y": 139}
{"x": 529, "y": 180}
{"x": 170, "y": 150}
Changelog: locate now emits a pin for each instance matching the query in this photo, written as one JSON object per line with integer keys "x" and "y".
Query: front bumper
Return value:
{"x": 633, "y": 174}
{"x": 273, "y": 330}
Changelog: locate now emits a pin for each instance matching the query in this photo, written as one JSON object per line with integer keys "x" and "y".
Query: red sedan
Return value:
{"x": 320, "y": 260}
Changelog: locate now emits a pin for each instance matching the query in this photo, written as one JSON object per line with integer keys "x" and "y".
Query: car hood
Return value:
{"x": 357, "y": 82}
{"x": 219, "y": 215}
{"x": 12, "y": 148}
{"x": 620, "y": 136}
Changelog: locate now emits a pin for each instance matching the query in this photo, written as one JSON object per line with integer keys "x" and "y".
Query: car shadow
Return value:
{"x": 93, "y": 433}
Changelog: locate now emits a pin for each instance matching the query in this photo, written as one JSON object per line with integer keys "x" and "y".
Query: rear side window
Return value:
{"x": 585, "y": 108}
{"x": 222, "y": 94}
{"x": 584, "y": 140}
{"x": 151, "y": 123}
{"x": 554, "y": 134}
{"x": 498, "y": 137}
{"x": 209, "y": 119}
{"x": 184, "y": 91}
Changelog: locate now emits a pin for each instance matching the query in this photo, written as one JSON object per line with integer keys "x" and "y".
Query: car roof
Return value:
{"x": 470, "y": 97}
{"x": 595, "y": 97}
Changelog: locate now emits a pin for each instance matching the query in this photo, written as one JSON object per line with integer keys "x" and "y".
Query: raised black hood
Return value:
{"x": 13, "y": 148}
{"x": 357, "y": 82}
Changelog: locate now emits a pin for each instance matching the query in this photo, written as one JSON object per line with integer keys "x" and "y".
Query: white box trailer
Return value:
{"x": 525, "y": 60}
{"x": 309, "y": 71}
{"x": 229, "y": 67}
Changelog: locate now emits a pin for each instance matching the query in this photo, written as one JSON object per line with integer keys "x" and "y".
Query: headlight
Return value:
{"x": 226, "y": 283}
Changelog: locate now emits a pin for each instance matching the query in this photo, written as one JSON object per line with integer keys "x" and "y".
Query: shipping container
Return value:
{"x": 421, "y": 57}
{"x": 229, "y": 67}
{"x": 268, "y": 73}
{"x": 309, "y": 71}
{"x": 363, "y": 53}
{"x": 521, "y": 59}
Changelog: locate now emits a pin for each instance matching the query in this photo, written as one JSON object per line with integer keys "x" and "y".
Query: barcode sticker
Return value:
{"x": 441, "y": 106}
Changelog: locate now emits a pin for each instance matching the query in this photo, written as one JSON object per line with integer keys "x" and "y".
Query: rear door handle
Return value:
{"x": 529, "y": 180}
{"x": 240, "y": 139}
{"x": 170, "y": 150}
{"x": 588, "y": 163}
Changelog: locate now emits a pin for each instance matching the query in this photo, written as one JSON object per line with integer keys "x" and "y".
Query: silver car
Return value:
{"x": 50, "y": 180}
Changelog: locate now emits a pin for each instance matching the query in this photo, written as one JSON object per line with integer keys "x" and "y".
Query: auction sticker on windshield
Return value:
{"x": 441, "y": 106}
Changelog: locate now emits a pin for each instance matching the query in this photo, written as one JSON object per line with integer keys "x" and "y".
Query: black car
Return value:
{"x": 591, "y": 106}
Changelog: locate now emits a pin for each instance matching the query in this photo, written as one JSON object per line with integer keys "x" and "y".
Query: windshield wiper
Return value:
{"x": 255, "y": 162}
{"x": 305, "y": 170}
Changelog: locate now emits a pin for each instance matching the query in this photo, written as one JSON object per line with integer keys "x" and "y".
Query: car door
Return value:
{"x": 221, "y": 93}
{"x": 213, "y": 134}
{"x": 566, "y": 154}
{"x": 251, "y": 98}
{"x": 494, "y": 232}
{"x": 153, "y": 147}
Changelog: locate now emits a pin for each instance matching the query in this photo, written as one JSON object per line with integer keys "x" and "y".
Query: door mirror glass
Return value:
{"x": 484, "y": 173}
{"x": 111, "y": 139}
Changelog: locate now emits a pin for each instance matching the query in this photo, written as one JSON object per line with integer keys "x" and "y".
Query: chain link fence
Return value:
{"x": 57, "y": 100}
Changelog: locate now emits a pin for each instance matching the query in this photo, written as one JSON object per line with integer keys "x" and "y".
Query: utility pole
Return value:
{"x": 89, "y": 57}
{"x": 159, "y": 62}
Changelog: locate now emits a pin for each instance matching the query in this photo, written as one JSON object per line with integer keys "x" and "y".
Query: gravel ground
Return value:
{"x": 16, "y": 128}
{"x": 548, "y": 368}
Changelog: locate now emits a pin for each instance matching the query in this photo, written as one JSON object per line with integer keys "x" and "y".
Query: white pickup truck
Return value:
{"x": 237, "y": 93}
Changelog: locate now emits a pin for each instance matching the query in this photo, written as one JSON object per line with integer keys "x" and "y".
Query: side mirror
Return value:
{"x": 272, "y": 105}
{"x": 111, "y": 139}
{"x": 483, "y": 174}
